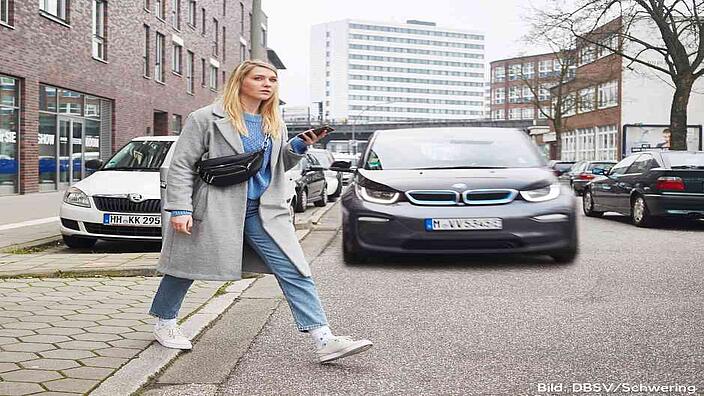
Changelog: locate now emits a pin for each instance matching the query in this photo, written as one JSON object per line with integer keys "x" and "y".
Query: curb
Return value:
{"x": 31, "y": 244}
{"x": 149, "y": 363}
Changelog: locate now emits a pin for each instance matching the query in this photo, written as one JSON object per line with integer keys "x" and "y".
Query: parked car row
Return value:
{"x": 122, "y": 200}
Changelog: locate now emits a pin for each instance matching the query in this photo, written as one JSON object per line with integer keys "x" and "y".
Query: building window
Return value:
{"x": 514, "y": 95}
{"x": 55, "y": 8}
{"x": 242, "y": 18}
{"x": 159, "y": 58}
{"x": 224, "y": 38}
{"x": 224, "y": 7}
{"x": 9, "y": 134}
{"x": 216, "y": 37}
{"x": 202, "y": 72}
{"x": 528, "y": 71}
{"x": 243, "y": 52}
{"x": 544, "y": 68}
{"x": 514, "y": 72}
{"x": 587, "y": 54}
{"x": 160, "y": 8}
{"x": 499, "y": 96}
{"x": 146, "y": 65}
{"x": 192, "y": 12}
{"x": 544, "y": 92}
{"x": 611, "y": 43}
{"x": 175, "y": 124}
{"x": 569, "y": 107}
{"x": 527, "y": 114}
{"x": 499, "y": 74}
{"x": 6, "y": 12}
{"x": 587, "y": 98}
{"x": 213, "y": 78}
{"x": 189, "y": 72}
{"x": 608, "y": 94}
{"x": 176, "y": 59}
{"x": 224, "y": 78}
{"x": 527, "y": 94}
{"x": 146, "y": 6}
{"x": 514, "y": 114}
{"x": 202, "y": 21}
{"x": 606, "y": 143}
{"x": 498, "y": 114}
{"x": 176, "y": 14}
{"x": 99, "y": 19}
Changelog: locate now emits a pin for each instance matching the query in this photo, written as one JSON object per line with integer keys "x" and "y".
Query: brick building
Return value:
{"x": 78, "y": 79}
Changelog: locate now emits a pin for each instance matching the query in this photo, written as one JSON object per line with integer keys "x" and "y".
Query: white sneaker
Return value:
{"x": 341, "y": 346}
{"x": 172, "y": 337}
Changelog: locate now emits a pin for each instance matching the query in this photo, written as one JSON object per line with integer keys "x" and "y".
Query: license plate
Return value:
{"x": 132, "y": 220}
{"x": 493, "y": 223}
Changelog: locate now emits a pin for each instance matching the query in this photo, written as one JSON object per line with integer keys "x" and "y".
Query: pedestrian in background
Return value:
{"x": 216, "y": 233}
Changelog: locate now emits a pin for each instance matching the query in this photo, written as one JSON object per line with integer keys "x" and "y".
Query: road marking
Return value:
{"x": 28, "y": 223}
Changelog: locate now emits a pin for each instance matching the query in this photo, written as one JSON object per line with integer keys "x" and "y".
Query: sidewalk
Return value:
{"x": 29, "y": 219}
{"x": 71, "y": 335}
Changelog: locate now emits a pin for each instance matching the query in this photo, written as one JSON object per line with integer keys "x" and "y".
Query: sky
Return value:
{"x": 502, "y": 22}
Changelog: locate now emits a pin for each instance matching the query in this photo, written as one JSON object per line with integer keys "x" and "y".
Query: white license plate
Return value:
{"x": 132, "y": 220}
{"x": 493, "y": 223}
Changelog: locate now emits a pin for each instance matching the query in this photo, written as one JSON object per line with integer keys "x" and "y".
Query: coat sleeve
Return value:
{"x": 182, "y": 176}
{"x": 290, "y": 157}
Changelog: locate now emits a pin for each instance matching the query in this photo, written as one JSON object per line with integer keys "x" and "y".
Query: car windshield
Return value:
{"x": 139, "y": 156}
{"x": 455, "y": 149}
{"x": 563, "y": 166}
{"x": 685, "y": 159}
{"x": 600, "y": 165}
{"x": 323, "y": 157}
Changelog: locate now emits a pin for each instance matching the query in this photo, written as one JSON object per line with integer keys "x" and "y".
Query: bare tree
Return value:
{"x": 675, "y": 48}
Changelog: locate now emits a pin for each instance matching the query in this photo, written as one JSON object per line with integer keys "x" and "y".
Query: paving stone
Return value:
{"x": 133, "y": 316}
{"x": 139, "y": 335}
{"x": 120, "y": 322}
{"x": 111, "y": 362}
{"x": 139, "y": 309}
{"x": 73, "y": 323}
{"x": 91, "y": 317}
{"x": 97, "y": 337}
{"x": 71, "y": 385}
{"x": 88, "y": 345}
{"x": 97, "y": 311}
{"x": 13, "y": 357}
{"x": 57, "y": 312}
{"x": 7, "y": 340}
{"x": 118, "y": 352}
{"x": 67, "y": 331}
{"x": 25, "y": 325}
{"x": 19, "y": 388}
{"x": 12, "y": 314}
{"x": 4, "y": 367}
{"x": 95, "y": 373}
{"x": 143, "y": 327}
{"x": 45, "y": 338}
{"x": 37, "y": 318}
{"x": 16, "y": 332}
{"x": 31, "y": 376}
{"x": 50, "y": 364}
{"x": 67, "y": 354}
{"x": 108, "y": 329}
{"x": 53, "y": 394}
{"x": 28, "y": 347}
{"x": 8, "y": 320}
{"x": 22, "y": 308}
{"x": 141, "y": 344}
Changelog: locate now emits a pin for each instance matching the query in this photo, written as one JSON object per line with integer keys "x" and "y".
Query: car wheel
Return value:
{"x": 323, "y": 198}
{"x": 564, "y": 256}
{"x": 639, "y": 212}
{"x": 78, "y": 243}
{"x": 588, "y": 204}
{"x": 301, "y": 201}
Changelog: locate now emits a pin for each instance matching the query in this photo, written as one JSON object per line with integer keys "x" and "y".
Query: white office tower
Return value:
{"x": 384, "y": 72}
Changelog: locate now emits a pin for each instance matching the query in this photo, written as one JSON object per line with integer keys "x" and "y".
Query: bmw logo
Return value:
{"x": 459, "y": 186}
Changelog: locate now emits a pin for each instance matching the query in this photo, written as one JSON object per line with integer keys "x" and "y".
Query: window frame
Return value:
{"x": 159, "y": 58}
{"x": 8, "y": 7}
{"x": 213, "y": 78}
{"x": 190, "y": 71}
{"x": 146, "y": 55}
{"x": 62, "y": 10}
{"x": 99, "y": 43}
{"x": 176, "y": 14}
{"x": 160, "y": 9}
{"x": 177, "y": 58}
{"x": 192, "y": 13}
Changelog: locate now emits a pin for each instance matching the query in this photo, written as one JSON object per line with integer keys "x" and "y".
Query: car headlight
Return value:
{"x": 76, "y": 197}
{"x": 542, "y": 194}
{"x": 376, "y": 196}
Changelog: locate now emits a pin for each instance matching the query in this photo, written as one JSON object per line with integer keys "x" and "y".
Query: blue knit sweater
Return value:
{"x": 257, "y": 184}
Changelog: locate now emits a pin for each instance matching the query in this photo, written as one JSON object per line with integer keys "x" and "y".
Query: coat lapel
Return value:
{"x": 224, "y": 126}
{"x": 276, "y": 148}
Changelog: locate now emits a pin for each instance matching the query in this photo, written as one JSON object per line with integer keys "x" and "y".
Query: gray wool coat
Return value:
{"x": 216, "y": 249}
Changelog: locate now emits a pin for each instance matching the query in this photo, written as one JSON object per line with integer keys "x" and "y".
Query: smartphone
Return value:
{"x": 319, "y": 131}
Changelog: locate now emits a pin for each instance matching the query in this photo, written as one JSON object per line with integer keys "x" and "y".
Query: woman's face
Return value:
{"x": 259, "y": 84}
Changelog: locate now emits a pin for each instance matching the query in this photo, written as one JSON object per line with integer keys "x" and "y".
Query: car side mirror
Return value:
{"x": 342, "y": 166}
{"x": 94, "y": 163}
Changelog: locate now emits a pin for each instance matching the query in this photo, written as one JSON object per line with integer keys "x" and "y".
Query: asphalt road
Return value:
{"x": 627, "y": 312}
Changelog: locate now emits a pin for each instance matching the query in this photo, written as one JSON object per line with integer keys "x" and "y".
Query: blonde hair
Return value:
{"x": 269, "y": 110}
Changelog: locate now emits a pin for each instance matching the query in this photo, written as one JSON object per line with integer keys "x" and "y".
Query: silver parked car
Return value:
{"x": 456, "y": 191}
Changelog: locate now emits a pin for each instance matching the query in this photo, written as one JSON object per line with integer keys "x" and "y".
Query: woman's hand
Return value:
{"x": 311, "y": 138}
{"x": 182, "y": 223}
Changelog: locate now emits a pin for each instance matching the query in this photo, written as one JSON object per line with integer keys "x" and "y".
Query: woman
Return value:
{"x": 216, "y": 233}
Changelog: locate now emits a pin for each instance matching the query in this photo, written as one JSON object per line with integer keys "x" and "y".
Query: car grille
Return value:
{"x": 461, "y": 244}
{"x": 97, "y": 228}
{"x": 469, "y": 197}
{"x": 124, "y": 205}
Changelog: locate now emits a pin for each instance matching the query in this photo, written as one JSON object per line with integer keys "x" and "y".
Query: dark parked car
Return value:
{"x": 560, "y": 167}
{"x": 581, "y": 173}
{"x": 649, "y": 185}
{"x": 455, "y": 191}
{"x": 310, "y": 186}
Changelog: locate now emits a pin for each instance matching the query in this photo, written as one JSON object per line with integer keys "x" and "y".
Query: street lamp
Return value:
{"x": 354, "y": 124}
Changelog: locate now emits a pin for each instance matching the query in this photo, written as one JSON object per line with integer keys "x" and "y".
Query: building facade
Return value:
{"x": 367, "y": 71}
{"x": 79, "y": 79}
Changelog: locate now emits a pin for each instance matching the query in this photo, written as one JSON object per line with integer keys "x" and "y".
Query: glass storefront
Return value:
{"x": 9, "y": 134}
{"x": 69, "y": 135}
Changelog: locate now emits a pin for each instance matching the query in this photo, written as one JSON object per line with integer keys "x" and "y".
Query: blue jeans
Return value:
{"x": 300, "y": 291}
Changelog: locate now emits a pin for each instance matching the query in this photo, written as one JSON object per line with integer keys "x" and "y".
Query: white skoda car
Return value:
{"x": 122, "y": 200}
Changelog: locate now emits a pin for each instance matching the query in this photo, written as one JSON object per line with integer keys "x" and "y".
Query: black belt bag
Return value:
{"x": 231, "y": 169}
